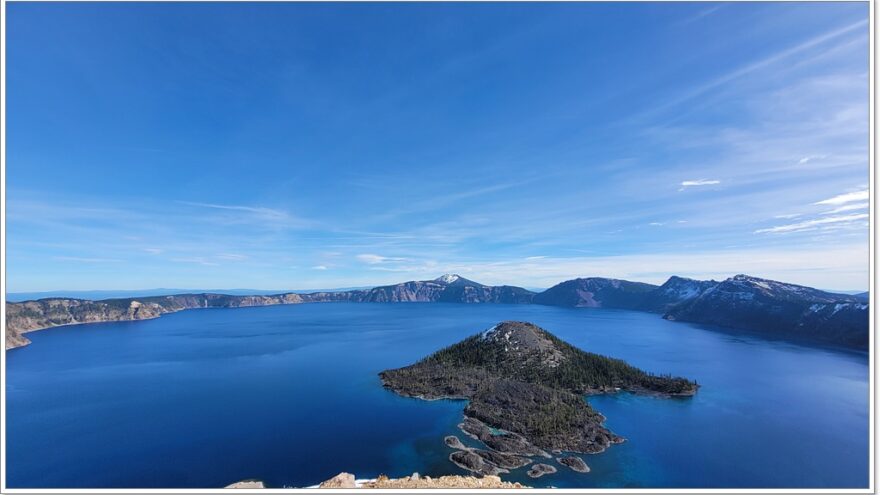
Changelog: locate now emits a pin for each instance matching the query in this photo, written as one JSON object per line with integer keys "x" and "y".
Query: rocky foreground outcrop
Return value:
{"x": 247, "y": 484}
{"x": 347, "y": 480}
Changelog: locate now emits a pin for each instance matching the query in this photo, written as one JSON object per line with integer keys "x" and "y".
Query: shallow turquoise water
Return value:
{"x": 290, "y": 395}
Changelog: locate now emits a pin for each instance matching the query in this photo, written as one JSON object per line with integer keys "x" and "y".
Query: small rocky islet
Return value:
{"x": 525, "y": 390}
{"x": 539, "y": 470}
{"x": 574, "y": 462}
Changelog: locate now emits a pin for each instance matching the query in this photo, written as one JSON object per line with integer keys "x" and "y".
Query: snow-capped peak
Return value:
{"x": 447, "y": 279}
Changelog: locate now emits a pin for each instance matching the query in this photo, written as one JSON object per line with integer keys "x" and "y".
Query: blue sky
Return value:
{"x": 289, "y": 146}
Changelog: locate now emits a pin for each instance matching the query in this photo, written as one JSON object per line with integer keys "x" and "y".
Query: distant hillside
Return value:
{"x": 596, "y": 293}
{"x": 28, "y": 316}
{"x": 779, "y": 309}
{"x": 675, "y": 291}
{"x": 94, "y": 295}
{"x": 448, "y": 288}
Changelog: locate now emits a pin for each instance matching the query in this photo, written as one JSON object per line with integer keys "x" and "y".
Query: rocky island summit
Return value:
{"x": 525, "y": 389}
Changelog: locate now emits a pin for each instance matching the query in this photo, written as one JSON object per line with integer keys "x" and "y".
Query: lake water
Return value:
{"x": 290, "y": 395}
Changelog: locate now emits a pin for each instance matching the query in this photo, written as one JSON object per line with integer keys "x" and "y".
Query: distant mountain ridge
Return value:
{"x": 134, "y": 293}
{"x": 741, "y": 302}
{"x": 779, "y": 308}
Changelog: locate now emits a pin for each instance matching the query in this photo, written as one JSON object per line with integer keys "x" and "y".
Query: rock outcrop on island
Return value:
{"x": 778, "y": 309}
{"x": 575, "y": 463}
{"x": 525, "y": 389}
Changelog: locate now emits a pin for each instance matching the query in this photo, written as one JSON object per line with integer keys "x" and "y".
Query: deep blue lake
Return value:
{"x": 290, "y": 395}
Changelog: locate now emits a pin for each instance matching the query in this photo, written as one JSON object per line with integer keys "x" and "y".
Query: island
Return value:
{"x": 525, "y": 389}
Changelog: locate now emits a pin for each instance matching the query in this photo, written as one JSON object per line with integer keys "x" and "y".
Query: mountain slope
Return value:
{"x": 596, "y": 292}
{"x": 448, "y": 288}
{"x": 779, "y": 309}
{"x": 675, "y": 291}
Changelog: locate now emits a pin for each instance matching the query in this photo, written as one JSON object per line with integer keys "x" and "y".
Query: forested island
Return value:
{"x": 525, "y": 389}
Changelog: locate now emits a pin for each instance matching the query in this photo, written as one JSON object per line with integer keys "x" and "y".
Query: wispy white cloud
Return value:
{"x": 698, "y": 183}
{"x": 319, "y": 267}
{"x": 375, "y": 259}
{"x": 250, "y": 209}
{"x": 809, "y": 224}
{"x": 78, "y": 259}
{"x": 848, "y": 207}
{"x": 197, "y": 260}
{"x": 700, "y": 14}
{"x": 760, "y": 64}
{"x": 153, "y": 250}
{"x": 810, "y": 158}
{"x": 787, "y": 216}
{"x": 231, "y": 256}
{"x": 845, "y": 198}
{"x": 255, "y": 214}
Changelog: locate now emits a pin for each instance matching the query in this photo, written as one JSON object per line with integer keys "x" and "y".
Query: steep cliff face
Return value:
{"x": 406, "y": 292}
{"x": 448, "y": 288}
{"x": 596, "y": 293}
{"x": 46, "y": 313}
{"x": 779, "y": 309}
